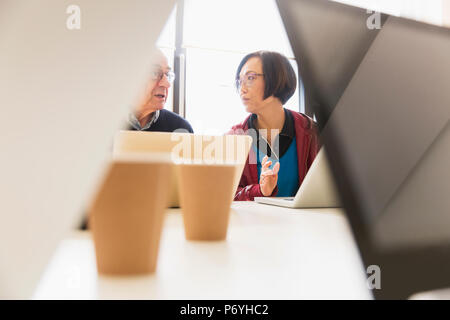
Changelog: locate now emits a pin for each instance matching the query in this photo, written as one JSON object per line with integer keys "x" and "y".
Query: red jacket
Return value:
{"x": 307, "y": 147}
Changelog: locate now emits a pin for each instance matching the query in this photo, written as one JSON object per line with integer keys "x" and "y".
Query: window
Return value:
{"x": 216, "y": 36}
{"x": 446, "y": 13}
{"x": 166, "y": 42}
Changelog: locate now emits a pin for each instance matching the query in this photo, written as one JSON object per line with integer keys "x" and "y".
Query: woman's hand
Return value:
{"x": 269, "y": 177}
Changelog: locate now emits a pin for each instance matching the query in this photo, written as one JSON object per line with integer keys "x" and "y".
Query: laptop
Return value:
{"x": 186, "y": 147}
{"x": 64, "y": 93}
{"x": 380, "y": 95}
{"x": 316, "y": 191}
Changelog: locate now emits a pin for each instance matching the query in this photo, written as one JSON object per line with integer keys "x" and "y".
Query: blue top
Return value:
{"x": 288, "y": 174}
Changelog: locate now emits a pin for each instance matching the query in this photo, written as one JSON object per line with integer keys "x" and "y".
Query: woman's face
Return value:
{"x": 252, "y": 86}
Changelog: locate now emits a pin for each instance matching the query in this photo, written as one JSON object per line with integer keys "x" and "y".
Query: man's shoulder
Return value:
{"x": 174, "y": 120}
{"x": 169, "y": 114}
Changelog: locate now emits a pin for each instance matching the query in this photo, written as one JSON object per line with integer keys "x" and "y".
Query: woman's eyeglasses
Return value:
{"x": 248, "y": 79}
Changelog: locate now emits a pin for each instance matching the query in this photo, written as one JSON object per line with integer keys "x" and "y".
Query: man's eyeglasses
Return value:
{"x": 158, "y": 75}
{"x": 248, "y": 79}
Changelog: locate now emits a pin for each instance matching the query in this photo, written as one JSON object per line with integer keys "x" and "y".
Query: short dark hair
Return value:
{"x": 279, "y": 76}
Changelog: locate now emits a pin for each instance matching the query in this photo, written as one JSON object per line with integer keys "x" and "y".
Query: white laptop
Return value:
{"x": 317, "y": 190}
{"x": 64, "y": 92}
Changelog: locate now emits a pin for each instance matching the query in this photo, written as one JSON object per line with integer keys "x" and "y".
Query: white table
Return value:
{"x": 270, "y": 253}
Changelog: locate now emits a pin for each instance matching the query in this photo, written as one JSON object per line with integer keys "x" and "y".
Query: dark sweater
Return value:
{"x": 168, "y": 122}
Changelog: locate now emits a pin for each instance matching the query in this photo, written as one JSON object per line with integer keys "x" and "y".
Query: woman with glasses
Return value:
{"x": 285, "y": 142}
{"x": 149, "y": 114}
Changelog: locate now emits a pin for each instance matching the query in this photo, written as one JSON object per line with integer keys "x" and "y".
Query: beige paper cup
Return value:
{"x": 206, "y": 193}
{"x": 126, "y": 216}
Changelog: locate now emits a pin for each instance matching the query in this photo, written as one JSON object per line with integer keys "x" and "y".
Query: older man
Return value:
{"x": 149, "y": 114}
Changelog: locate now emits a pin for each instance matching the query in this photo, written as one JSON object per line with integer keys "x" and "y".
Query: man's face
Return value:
{"x": 157, "y": 89}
